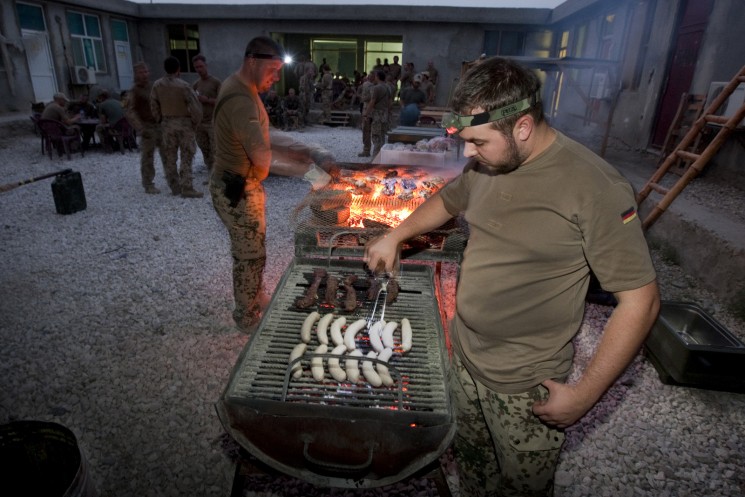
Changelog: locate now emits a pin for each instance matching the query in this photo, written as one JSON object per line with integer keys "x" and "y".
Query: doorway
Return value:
{"x": 38, "y": 52}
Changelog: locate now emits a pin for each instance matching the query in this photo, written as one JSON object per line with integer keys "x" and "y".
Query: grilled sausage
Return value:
{"x": 332, "y": 285}
{"x": 385, "y": 375}
{"x": 406, "y": 335}
{"x": 297, "y": 368}
{"x": 350, "y": 300}
{"x": 351, "y": 332}
{"x": 374, "y": 334}
{"x": 372, "y": 292}
{"x": 323, "y": 326}
{"x": 336, "y": 337}
{"x": 352, "y": 366}
{"x": 309, "y": 298}
{"x": 368, "y": 371}
{"x": 387, "y": 335}
{"x": 392, "y": 293}
{"x": 316, "y": 364}
{"x": 334, "y": 369}
{"x": 308, "y": 326}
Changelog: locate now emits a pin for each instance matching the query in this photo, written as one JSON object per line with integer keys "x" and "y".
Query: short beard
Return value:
{"x": 513, "y": 160}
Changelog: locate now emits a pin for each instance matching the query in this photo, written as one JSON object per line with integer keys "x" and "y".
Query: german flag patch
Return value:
{"x": 628, "y": 215}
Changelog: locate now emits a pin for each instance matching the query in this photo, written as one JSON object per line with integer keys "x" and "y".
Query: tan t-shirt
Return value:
{"x": 534, "y": 235}
{"x": 241, "y": 132}
{"x": 209, "y": 87}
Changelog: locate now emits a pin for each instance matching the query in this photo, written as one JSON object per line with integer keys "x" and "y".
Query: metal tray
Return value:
{"x": 689, "y": 347}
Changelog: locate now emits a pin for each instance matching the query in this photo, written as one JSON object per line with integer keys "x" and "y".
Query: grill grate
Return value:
{"x": 263, "y": 373}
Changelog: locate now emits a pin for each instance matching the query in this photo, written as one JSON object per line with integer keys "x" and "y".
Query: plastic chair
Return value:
{"x": 123, "y": 134}
{"x": 39, "y": 132}
{"x": 63, "y": 138}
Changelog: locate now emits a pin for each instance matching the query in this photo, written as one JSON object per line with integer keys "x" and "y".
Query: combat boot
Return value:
{"x": 191, "y": 193}
{"x": 151, "y": 189}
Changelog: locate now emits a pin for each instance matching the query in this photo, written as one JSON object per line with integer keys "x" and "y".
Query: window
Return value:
{"x": 506, "y": 43}
{"x": 382, "y": 50}
{"x": 183, "y": 42}
{"x": 30, "y": 17}
{"x": 86, "y": 41}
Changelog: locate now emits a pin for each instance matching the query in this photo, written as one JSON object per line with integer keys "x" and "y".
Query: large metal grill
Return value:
{"x": 341, "y": 218}
{"x": 342, "y": 434}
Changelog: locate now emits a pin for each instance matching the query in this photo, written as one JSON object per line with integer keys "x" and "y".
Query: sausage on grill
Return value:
{"x": 332, "y": 285}
{"x": 350, "y": 300}
{"x": 309, "y": 298}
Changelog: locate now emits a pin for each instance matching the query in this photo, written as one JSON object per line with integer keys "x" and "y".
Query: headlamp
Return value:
{"x": 454, "y": 123}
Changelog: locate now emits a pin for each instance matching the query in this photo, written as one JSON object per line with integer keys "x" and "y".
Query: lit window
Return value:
{"x": 183, "y": 43}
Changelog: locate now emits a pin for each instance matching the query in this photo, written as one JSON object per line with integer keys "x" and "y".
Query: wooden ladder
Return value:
{"x": 698, "y": 161}
{"x": 689, "y": 111}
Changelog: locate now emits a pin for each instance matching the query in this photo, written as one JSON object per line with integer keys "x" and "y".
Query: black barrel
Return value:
{"x": 42, "y": 459}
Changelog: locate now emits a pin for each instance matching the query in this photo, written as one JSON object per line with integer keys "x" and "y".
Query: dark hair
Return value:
{"x": 199, "y": 57}
{"x": 263, "y": 45}
{"x": 171, "y": 65}
{"x": 494, "y": 83}
{"x": 380, "y": 74}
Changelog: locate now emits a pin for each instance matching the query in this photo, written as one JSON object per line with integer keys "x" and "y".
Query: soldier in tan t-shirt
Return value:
{"x": 206, "y": 87}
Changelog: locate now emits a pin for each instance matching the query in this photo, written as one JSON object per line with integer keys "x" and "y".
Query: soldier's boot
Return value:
{"x": 191, "y": 193}
{"x": 151, "y": 189}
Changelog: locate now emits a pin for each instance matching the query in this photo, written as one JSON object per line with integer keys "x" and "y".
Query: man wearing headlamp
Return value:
{"x": 543, "y": 212}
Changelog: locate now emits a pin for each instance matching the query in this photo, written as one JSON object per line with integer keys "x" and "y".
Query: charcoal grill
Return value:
{"x": 342, "y": 434}
{"x": 339, "y": 220}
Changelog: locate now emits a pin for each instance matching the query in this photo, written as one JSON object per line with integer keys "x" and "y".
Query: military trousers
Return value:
{"x": 178, "y": 138}
{"x": 205, "y": 135}
{"x": 151, "y": 138}
{"x": 501, "y": 447}
{"x": 246, "y": 225}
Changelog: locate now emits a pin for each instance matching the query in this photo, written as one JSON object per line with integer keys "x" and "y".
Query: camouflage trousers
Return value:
{"x": 151, "y": 138}
{"x": 178, "y": 136}
{"x": 205, "y": 135}
{"x": 366, "y": 135}
{"x": 326, "y": 98}
{"x": 378, "y": 127}
{"x": 501, "y": 447}
{"x": 247, "y": 230}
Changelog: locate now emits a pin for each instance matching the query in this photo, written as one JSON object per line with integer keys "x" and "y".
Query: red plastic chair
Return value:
{"x": 64, "y": 138}
{"x": 123, "y": 134}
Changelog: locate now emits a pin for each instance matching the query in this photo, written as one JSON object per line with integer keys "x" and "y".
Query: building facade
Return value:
{"x": 615, "y": 66}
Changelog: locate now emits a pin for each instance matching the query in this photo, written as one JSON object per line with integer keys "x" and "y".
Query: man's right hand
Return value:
{"x": 381, "y": 254}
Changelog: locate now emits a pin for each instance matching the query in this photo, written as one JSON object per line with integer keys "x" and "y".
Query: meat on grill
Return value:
{"x": 332, "y": 285}
{"x": 350, "y": 299}
{"x": 309, "y": 298}
{"x": 372, "y": 292}
{"x": 392, "y": 293}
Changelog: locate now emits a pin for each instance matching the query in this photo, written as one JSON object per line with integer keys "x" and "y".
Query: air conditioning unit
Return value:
{"x": 82, "y": 75}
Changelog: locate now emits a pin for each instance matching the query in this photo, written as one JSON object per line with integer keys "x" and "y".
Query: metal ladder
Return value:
{"x": 698, "y": 160}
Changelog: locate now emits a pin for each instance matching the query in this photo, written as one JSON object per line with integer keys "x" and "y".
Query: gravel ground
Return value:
{"x": 116, "y": 322}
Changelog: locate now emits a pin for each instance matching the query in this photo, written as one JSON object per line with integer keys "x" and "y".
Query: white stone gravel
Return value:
{"x": 116, "y": 322}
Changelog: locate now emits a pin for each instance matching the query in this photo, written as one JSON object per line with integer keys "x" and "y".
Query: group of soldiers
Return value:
{"x": 174, "y": 117}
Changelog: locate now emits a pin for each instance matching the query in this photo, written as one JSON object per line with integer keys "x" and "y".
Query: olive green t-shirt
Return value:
{"x": 535, "y": 233}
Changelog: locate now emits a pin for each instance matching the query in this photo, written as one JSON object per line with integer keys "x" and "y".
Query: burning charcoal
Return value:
{"x": 332, "y": 285}
{"x": 392, "y": 293}
{"x": 350, "y": 301}
{"x": 309, "y": 298}
{"x": 389, "y": 187}
{"x": 392, "y": 173}
{"x": 408, "y": 184}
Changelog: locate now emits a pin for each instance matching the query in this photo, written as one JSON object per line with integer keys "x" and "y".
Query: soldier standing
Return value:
{"x": 175, "y": 105}
{"x": 377, "y": 110}
{"x": 206, "y": 87}
{"x": 141, "y": 117}
{"x": 327, "y": 93}
{"x": 365, "y": 93}
{"x": 306, "y": 93}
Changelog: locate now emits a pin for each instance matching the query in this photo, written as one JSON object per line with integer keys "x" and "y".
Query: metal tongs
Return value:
{"x": 383, "y": 279}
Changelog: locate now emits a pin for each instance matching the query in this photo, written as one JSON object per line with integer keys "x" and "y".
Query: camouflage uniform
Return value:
{"x": 379, "y": 115}
{"x": 523, "y": 453}
{"x": 175, "y": 105}
{"x": 365, "y": 89}
{"x": 205, "y": 133}
{"x": 306, "y": 96}
{"x": 327, "y": 95}
{"x": 151, "y": 136}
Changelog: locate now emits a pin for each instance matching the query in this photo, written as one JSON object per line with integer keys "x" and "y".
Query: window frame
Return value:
{"x": 88, "y": 50}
